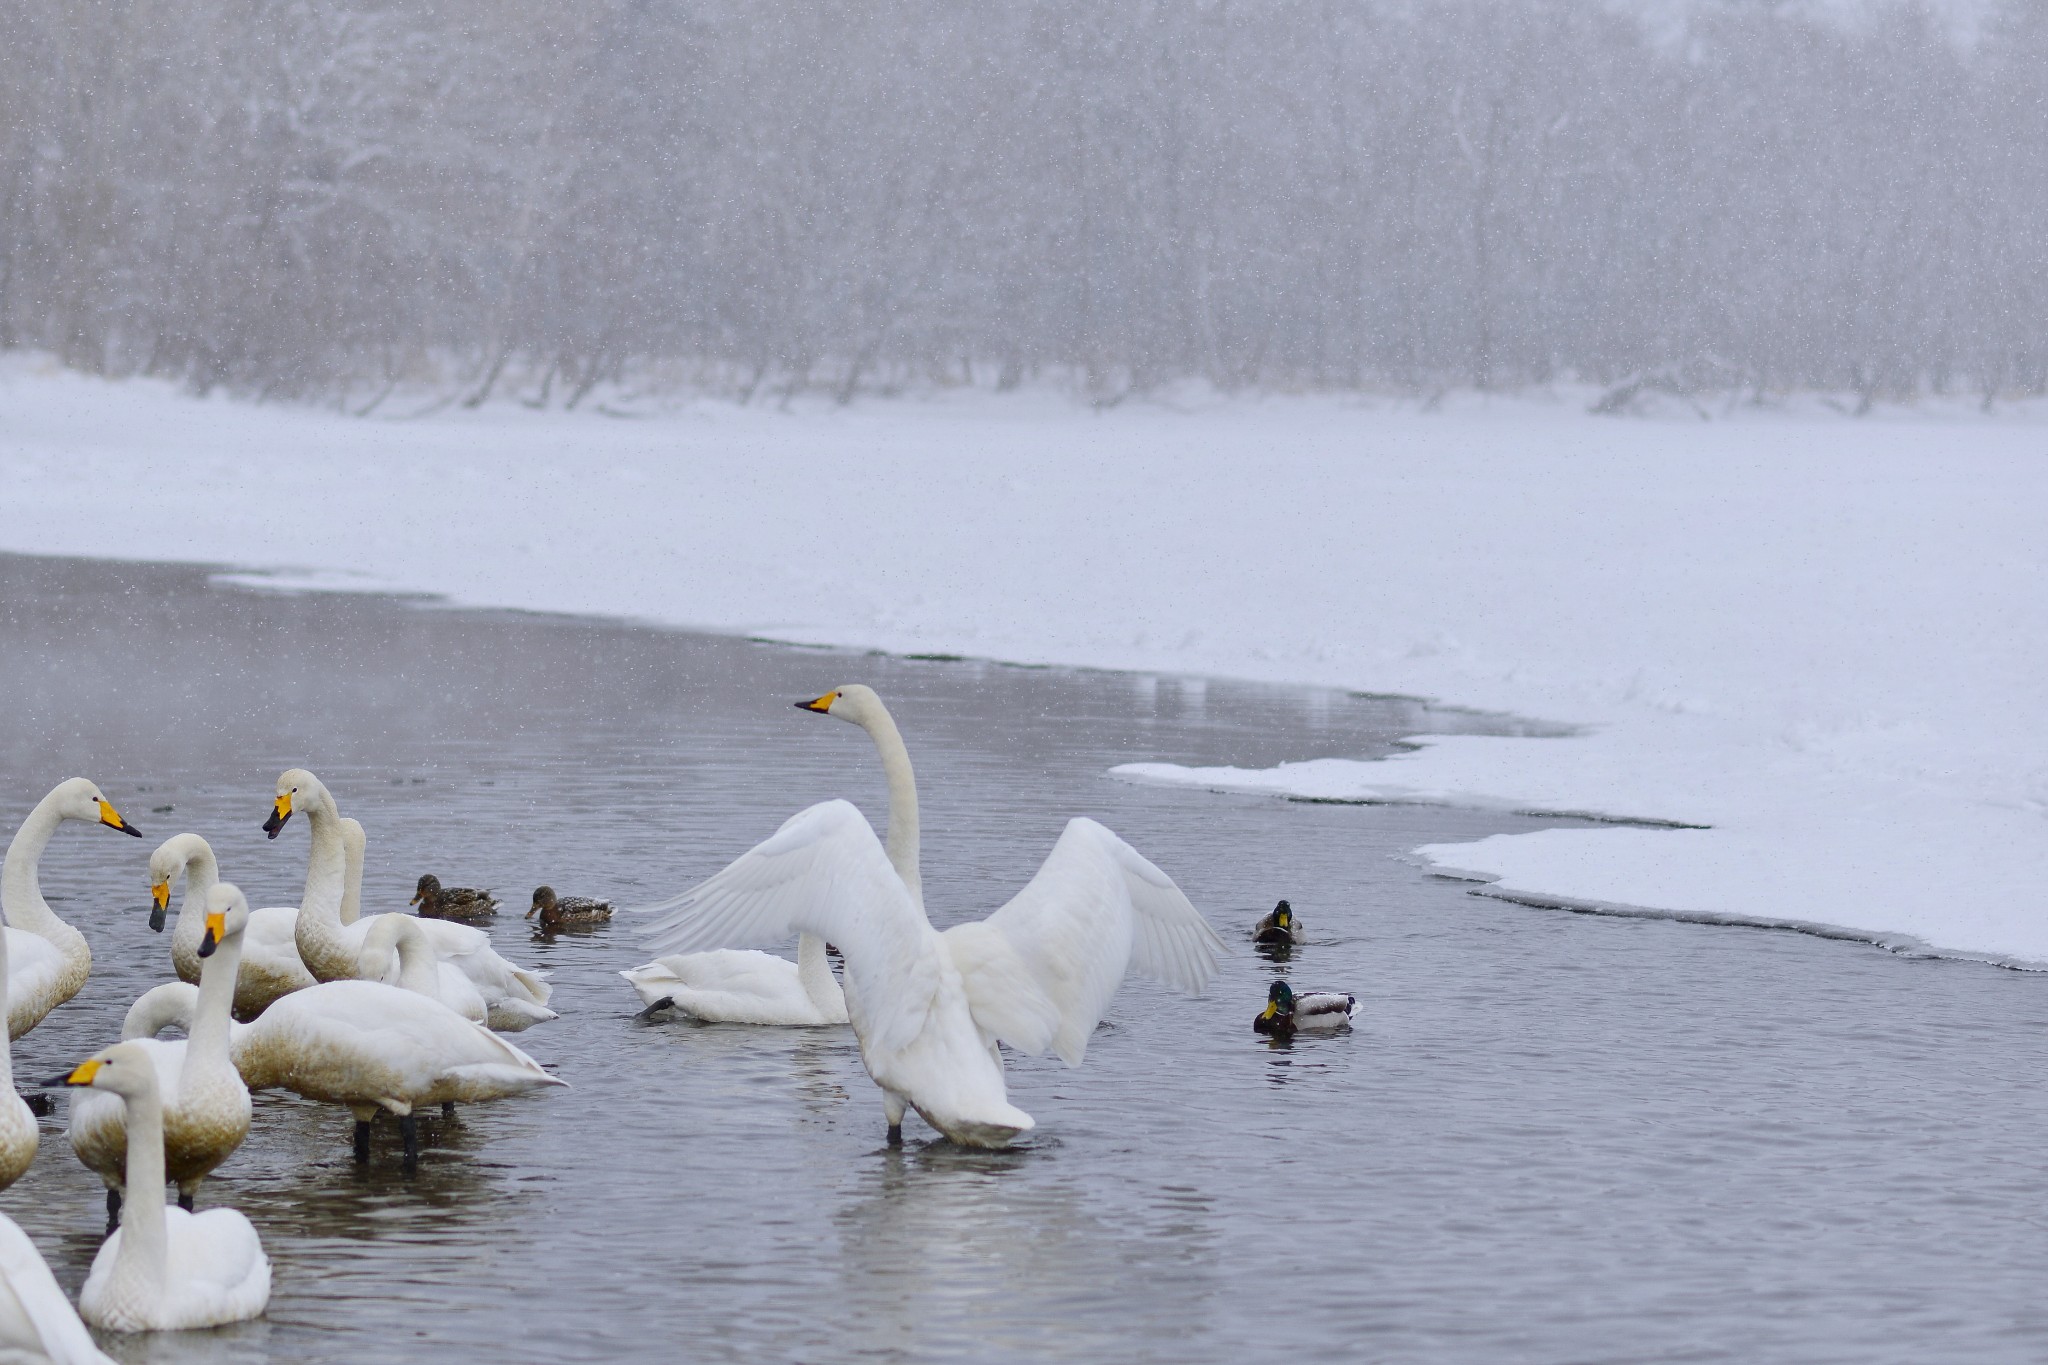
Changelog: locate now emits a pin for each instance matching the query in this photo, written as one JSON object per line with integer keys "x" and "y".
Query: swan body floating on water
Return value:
{"x": 566, "y": 912}
{"x": 165, "y": 1269}
{"x": 47, "y": 960}
{"x": 205, "y": 1105}
{"x": 452, "y": 902}
{"x": 270, "y": 956}
{"x": 929, "y": 1008}
{"x": 1287, "y": 1014}
{"x": 37, "y": 1322}
{"x": 515, "y": 997}
{"x": 743, "y": 986}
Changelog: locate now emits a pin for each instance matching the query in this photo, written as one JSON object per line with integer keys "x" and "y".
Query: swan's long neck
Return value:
{"x": 814, "y": 972}
{"x": 418, "y": 968}
{"x": 156, "y": 1009}
{"x": 352, "y": 880}
{"x": 206, "y": 1045}
{"x": 202, "y": 870}
{"x": 6, "y": 1043}
{"x": 142, "y": 1255}
{"x": 902, "y": 840}
{"x": 318, "y": 928}
{"x": 21, "y": 894}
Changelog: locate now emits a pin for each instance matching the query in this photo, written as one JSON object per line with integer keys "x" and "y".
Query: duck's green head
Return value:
{"x": 1279, "y": 1001}
{"x": 1283, "y": 915}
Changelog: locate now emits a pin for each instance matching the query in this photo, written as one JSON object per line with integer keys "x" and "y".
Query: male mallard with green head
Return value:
{"x": 1278, "y": 928}
{"x": 1287, "y": 1014}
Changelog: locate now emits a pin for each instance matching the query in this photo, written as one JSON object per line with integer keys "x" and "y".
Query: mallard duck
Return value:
{"x": 566, "y": 912}
{"x": 1287, "y": 1014}
{"x": 1278, "y": 928}
{"x": 452, "y": 902}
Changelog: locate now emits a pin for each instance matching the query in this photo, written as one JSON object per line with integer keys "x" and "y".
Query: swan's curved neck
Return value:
{"x": 814, "y": 972}
{"x": 142, "y": 1256}
{"x": 6, "y": 1043}
{"x": 418, "y": 969}
{"x": 902, "y": 840}
{"x": 21, "y": 894}
{"x": 159, "y": 1007}
{"x": 207, "y": 1041}
{"x": 318, "y": 927}
{"x": 202, "y": 870}
{"x": 352, "y": 880}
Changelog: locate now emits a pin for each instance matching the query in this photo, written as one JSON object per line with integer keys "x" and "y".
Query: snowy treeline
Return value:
{"x": 323, "y": 196}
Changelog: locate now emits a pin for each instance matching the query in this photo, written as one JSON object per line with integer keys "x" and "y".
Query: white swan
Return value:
{"x": 515, "y": 997}
{"x": 165, "y": 1269}
{"x": 742, "y": 986}
{"x": 47, "y": 959}
{"x": 205, "y": 1104}
{"x": 270, "y": 957}
{"x": 361, "y": 1044}
{"x": 929, "y": 1008}
{"x": 37, "y": 1323}
{"x": 19, "y": 1133}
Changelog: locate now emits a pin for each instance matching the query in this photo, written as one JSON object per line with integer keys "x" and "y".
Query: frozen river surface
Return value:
{"x": 1553, "y": 1137}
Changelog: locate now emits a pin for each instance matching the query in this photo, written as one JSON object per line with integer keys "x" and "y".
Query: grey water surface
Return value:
{"x": 1552, "y": 1137}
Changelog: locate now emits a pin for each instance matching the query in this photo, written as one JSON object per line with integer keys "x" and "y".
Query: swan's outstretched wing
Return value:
{"x": 824, "y": 872}
{"x": 48, "y": 1323}
{"x": 1041, "y": 970}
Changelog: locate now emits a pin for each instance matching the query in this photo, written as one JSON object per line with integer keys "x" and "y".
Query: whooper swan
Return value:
{"x": 205, "y": 1104}
{"x": 515, "y": 997}
{"x": 165, "y": 1269}
{"x": 47, "y": 959}
{"x": 741, "y": 986}
{"x": 19, "y": 1133}
{"x": 270, "y": 958}
{"x": 929, "y": 1008}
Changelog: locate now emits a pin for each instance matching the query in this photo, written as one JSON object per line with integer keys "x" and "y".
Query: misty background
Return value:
{"x": 326, "y": 198}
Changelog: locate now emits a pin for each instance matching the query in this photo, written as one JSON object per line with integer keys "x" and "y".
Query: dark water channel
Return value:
{"x": 1554, "y": 1137}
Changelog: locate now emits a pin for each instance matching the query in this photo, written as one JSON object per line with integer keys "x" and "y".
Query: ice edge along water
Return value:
{"x": 1819, "y": 639}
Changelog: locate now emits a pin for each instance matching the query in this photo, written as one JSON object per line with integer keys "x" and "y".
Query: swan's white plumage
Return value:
{"x": 741, "y": 986}
{"x": 927, "y": 1006}
{"x": 37, "y": 1322}
{"x": 43, "y": 976}
{"x": 164, "y": 1269}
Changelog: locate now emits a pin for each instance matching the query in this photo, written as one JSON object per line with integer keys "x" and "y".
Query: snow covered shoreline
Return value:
{"x": 1824, "y": 640}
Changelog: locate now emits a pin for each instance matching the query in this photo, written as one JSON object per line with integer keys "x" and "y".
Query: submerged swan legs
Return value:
{"x": 448, "y": 1110}
{"x": 409, "y": 1128}
{"x": 113, "y": 1209}
{"x": 362, "y": 1142}
{"x": 893, "y": 1107}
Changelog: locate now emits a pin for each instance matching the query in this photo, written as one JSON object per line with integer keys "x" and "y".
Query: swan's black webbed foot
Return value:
{"x": 38, "y": 1103}
{"x": 185, "y": 1201}
{"x": 895, "y": 1135}
{"x": 113, "y": 1211}
{"x": 409, "y": 1129}
{"x": 666, "y": 1002}
{"x": 362, "y": 1141}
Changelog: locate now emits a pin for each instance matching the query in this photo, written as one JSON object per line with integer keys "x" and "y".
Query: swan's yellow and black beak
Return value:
{"x": 822, "y": 705}
{"x": 160, "y": 894}
{"x": 111, "y": 818}
{"x": 216, "y": 929}
{"x": 279, "y": 815}
{"x": 81, "y": 1074}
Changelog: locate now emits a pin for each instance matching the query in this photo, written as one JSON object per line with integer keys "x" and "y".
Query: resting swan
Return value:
{"x": 514, "y": 997}
{"x": 363, "y": 1044}
{"x": 37, "y": 1323}
{"x": 742, "y": 986}
{"x": 205, "y": 1104}
{"x": 929, "y": 1008}
{"x": 47, "y": 959}
{"x": 270, "y": 958}
{"x": 166, "y": 1269}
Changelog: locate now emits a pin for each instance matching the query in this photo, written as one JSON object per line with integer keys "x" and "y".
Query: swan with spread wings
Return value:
{"x": 930, "y": 1008}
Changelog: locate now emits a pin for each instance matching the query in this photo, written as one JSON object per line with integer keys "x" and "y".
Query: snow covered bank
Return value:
{"x": 1825, "y": 639}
